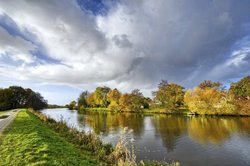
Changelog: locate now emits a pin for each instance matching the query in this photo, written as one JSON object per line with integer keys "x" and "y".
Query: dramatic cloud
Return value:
{"x": 15, "y": 47}
{"x": 128, "y": 44}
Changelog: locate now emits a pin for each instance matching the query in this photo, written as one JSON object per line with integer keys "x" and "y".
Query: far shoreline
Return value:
{"x": 186, "y": 112}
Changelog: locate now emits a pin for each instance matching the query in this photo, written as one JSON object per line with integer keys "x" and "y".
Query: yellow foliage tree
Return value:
{"x": 113, "y": 97}
{"x": 209, "y": 101}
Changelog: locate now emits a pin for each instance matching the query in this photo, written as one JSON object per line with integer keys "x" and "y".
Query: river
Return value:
{"x": 205, "y": 141}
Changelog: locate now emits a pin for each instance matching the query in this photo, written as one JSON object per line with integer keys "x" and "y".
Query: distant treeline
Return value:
{"x": 18, "y": 97}
{"x": 51, "y": 106}
{"x": 207, "y": 98}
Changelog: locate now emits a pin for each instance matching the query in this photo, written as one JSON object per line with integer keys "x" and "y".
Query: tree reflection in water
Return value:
{"x": 215, "y": 130}
{"x": 106, "y": 122}
{"x": 172, "y": 137}
{"x": 170, "y": 128}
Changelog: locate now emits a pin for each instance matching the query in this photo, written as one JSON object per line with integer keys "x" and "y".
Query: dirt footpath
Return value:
{"x": 7, "y": 118}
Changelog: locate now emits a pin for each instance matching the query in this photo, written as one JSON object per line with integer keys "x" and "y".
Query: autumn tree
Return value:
{"x": 90, "y": 100}
{"x": 210, "y": 100}
{"x": 113, "y": 97}
{"x": 169, "y": 96}
{"x": 100, "y": 96}
{"x": 124, "y": 102}
{"x": 209, "y": 84}
{"x": 134, "y": 101}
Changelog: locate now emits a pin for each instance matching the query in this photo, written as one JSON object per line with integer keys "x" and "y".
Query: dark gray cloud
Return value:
{"x": 183, "y": 41}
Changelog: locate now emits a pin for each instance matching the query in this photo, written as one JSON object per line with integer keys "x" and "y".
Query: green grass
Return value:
{"x": 27, "y": 141}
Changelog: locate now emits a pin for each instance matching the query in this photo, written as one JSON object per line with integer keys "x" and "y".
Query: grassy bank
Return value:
{"x": 89, "y": 142}
{"x": 27, "y": 141}
{"x": 34, "y": 139}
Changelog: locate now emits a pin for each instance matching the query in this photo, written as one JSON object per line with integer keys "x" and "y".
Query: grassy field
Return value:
{"x": 27, "y": 141}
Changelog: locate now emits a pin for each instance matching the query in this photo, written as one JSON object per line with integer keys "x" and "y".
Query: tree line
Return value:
{"x": 207, "y": 98}
{"x": 18, "y": 97}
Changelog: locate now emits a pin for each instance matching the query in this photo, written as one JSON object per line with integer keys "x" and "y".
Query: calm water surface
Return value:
{"x": 205, "y": 141}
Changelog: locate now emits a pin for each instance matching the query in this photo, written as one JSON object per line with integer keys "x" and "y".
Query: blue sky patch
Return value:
{"x": 12, "y": 28}
{"x": 97, "y": 7}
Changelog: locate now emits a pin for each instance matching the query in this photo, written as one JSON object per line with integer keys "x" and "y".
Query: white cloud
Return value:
{"x": 15, "y": 47}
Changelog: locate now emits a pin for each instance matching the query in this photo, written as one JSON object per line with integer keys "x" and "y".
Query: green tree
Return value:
{"x": 138, "y": 100}
{"x": 169, "y": 96}
{"x": 72, "y": 105}
{"x": 34, "y": 100}
{"x": 242, "y": 87}
{"x": 18, "y": 97}
{"x": 241, "y": 91}
{"x": 5, "y": 99}
{"x": 82, "y": 100}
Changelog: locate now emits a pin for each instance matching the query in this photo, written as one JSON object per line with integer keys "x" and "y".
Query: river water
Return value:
{"x": 205, "y": 141}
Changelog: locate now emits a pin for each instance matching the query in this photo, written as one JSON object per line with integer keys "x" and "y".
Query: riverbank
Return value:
{"x": 162, "y": 137}
{"x": 181, "y": 111}
{"x": 34, "y": 139}
{"x": 28, "y": 141}
{"x": 154, "y": 110}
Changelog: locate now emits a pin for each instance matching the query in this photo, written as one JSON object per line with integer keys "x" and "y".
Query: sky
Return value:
{"x": 62, "y": 47}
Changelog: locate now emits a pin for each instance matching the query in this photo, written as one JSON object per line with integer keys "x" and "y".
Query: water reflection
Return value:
{"x": 106, "y": 122}
{"x": 180, "y": 138}
{"x": 215, "y": 130}
{"x": 205, "y": 130}
{"x": 170, "y": 128}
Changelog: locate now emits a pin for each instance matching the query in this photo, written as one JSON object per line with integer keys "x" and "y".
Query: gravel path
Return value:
{"x": 6, "y": 121}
